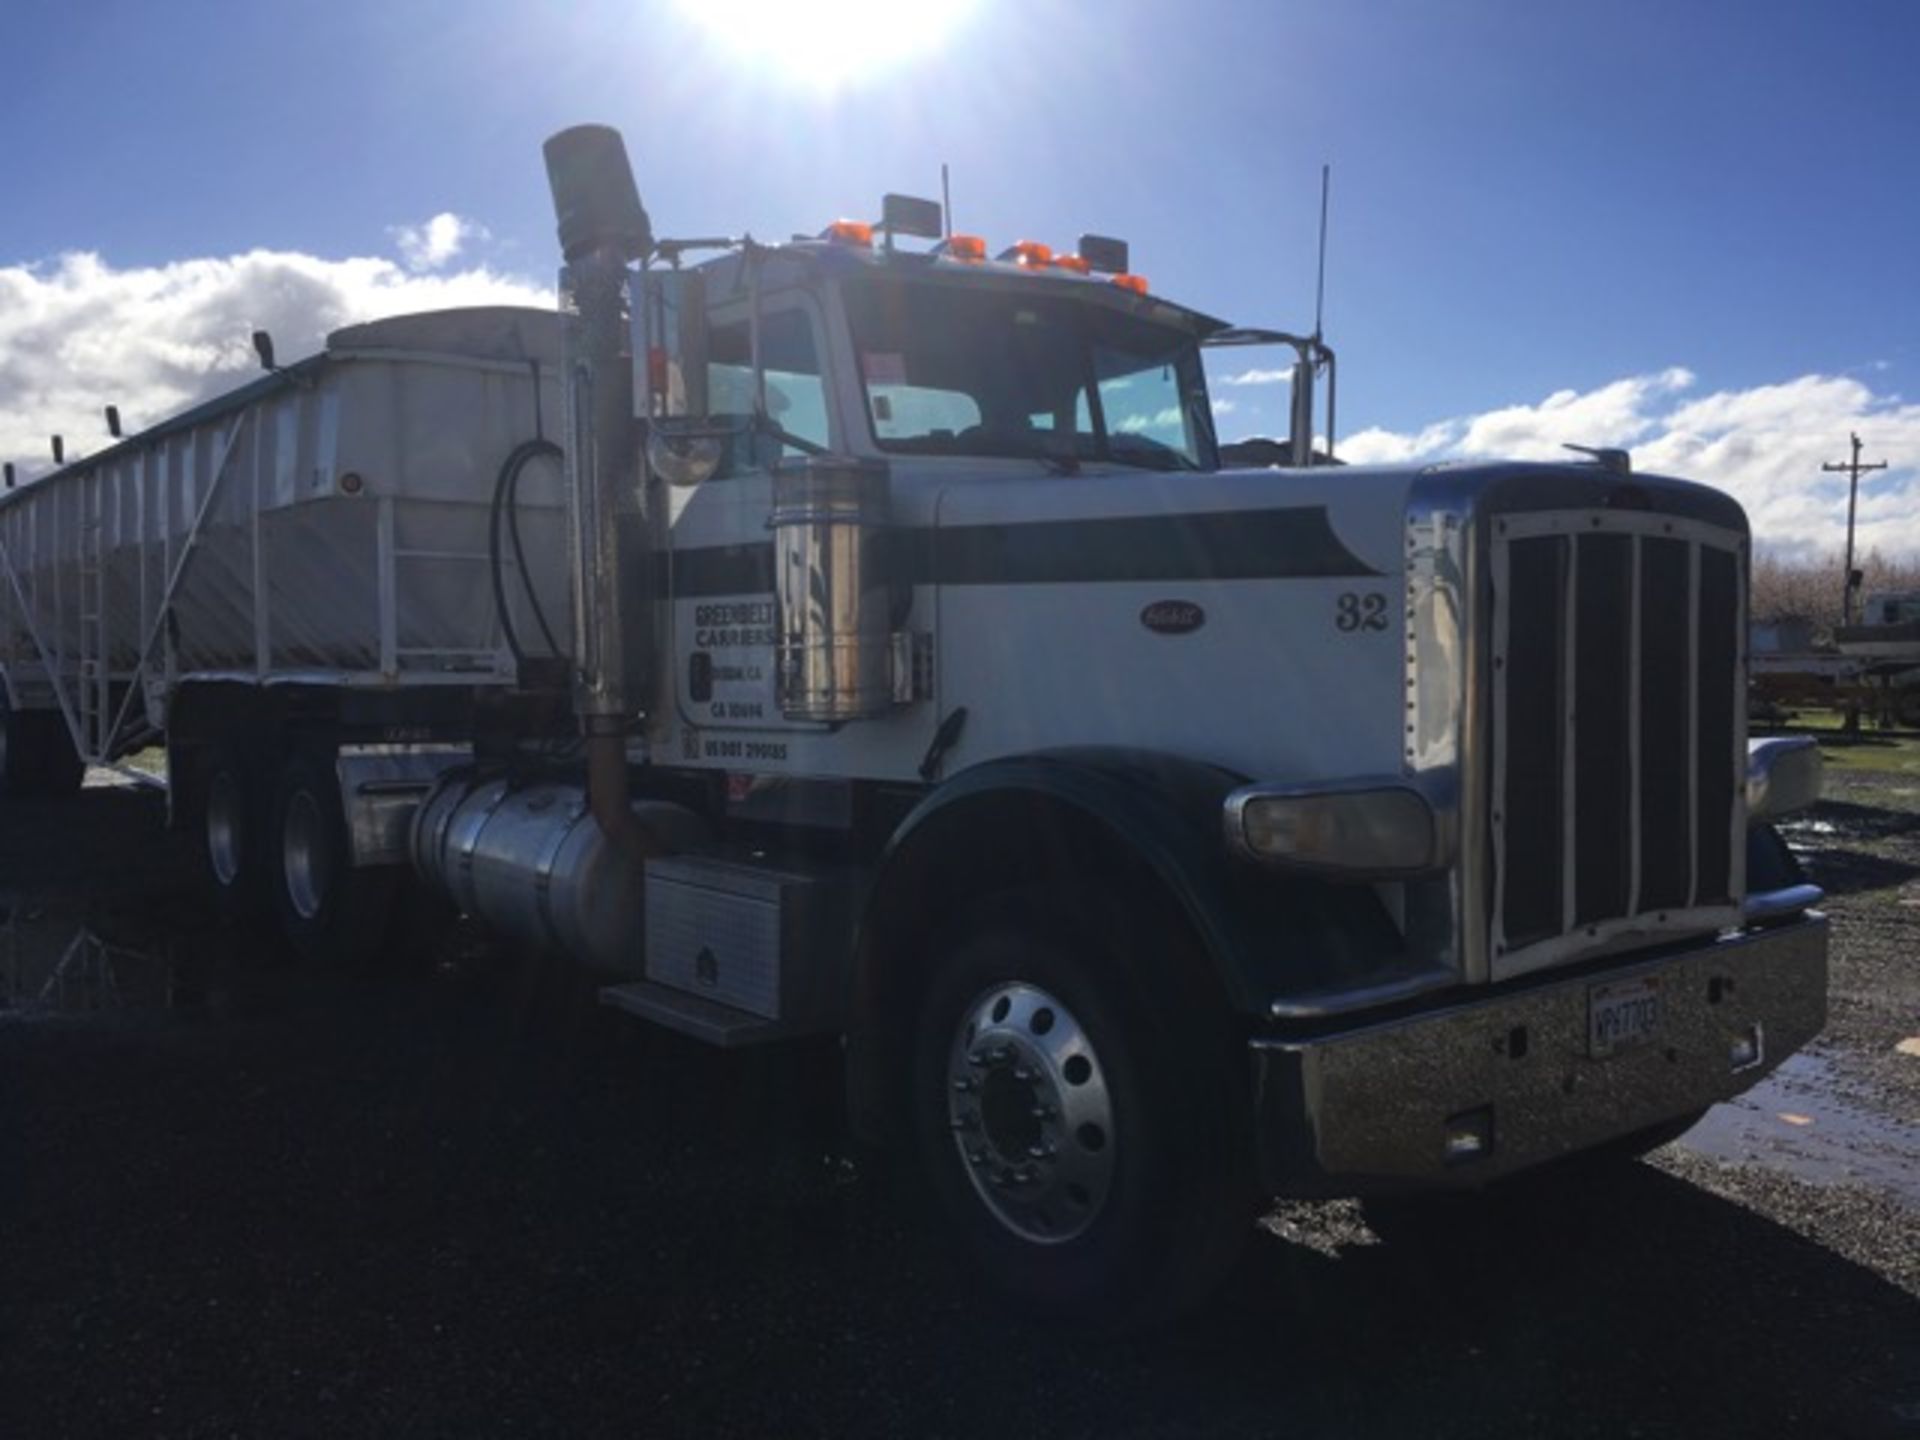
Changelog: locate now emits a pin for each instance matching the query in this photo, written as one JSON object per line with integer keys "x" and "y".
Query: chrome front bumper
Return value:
{"x": 1370, "y": 1109}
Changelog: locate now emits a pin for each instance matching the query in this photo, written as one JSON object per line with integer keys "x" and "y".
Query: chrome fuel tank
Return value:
{"x": 829, "y": 523}
{"x": 527, "y": 859}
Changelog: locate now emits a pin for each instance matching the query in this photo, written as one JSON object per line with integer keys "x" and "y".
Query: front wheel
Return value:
{"x": 1076, "y": 1127}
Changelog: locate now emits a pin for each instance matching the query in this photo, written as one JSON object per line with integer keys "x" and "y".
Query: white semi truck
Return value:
{"x": 862, "y": 636}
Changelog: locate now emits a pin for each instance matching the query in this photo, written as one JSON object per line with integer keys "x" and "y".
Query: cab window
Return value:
{"x": 796, "y": 388}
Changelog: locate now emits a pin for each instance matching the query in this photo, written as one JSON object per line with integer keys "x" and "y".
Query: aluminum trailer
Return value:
{"x": 326, "y": 526}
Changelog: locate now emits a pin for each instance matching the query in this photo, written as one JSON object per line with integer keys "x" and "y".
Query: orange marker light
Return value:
{"x": 851, "y": 232}
{"x": 1030, "y": 253}
{"x": 1136, "y": 283}
{"x": 966, "y": 247}
{"x": 1073, "y": 263}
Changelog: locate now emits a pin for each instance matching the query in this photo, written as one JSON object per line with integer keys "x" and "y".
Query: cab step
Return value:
{"x": 696, "y": 1016}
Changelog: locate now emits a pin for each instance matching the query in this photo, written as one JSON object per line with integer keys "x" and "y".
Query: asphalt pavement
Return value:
{"x": 241, "y": 1198}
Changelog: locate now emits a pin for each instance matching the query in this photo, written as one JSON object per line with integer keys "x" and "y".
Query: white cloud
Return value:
{"x": 1614, "y": 414}
{"x": 1167, "y": 419}
{"x": 1385, "y": 447}
{"x": 77, "y": 333}
{"x": 1763, "y": 445}
{"x": 1224, "y": 407}
{"x": 1258, "y": 377}
{"x": 439, "y": 240}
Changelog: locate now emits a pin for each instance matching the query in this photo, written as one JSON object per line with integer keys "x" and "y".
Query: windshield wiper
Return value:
{"x": 774, "y": 430}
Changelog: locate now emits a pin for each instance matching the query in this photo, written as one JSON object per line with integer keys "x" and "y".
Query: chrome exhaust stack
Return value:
{"x": 603, "y": 229}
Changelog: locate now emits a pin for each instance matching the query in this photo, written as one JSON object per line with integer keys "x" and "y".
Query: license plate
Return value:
{"x": 1622, "y": 1014}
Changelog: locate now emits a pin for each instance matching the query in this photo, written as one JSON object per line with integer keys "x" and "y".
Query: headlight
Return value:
{"x": 1783, "y": 776}
{"x": 1376, "y": 832}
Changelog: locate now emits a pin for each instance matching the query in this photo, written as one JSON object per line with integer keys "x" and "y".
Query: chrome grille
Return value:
{"x": 1618, "y": 733}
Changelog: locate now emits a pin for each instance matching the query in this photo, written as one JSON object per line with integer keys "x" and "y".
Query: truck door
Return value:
{"x": 720, "y": 555}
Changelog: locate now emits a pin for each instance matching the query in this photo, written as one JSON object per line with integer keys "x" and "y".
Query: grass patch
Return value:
{"x": 1894, "y": 752}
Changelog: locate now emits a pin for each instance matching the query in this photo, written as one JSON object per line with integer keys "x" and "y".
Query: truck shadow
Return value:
{"x": 1620, "y": 1302}
{"x": 1845, "y": 846}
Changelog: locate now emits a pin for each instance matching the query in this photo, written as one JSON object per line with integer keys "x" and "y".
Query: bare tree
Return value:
{"x": 1787, "y": 588}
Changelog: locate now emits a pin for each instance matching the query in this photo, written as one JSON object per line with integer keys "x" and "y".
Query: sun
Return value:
{"x": 828, "y": 43}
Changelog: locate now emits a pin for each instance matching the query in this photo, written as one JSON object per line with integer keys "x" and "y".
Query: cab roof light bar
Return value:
{"x": 1031, "y": 253}
{"x": 849, "y": 232}
{"x": 962, "y": 247}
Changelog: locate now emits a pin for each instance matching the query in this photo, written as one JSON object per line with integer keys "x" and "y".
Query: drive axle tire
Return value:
{"x": 331, "y": 912}
{"x": 1077, "y": 1123}
{"x": 235, "y": 826}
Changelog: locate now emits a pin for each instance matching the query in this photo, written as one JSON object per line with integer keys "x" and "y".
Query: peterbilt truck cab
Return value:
{"x": 1217, "y": 830}
{"x": 1153, "y": 833}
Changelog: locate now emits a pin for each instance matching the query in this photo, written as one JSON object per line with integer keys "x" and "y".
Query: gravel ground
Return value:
{"x": 467, "y": 1202}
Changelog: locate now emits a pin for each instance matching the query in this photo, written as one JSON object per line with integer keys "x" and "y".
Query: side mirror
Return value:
{"x": 683, "y": 460}
{"x": 670, "y": 346}
{"x": 263, "y": 347}
{"x": 670, "y": 376}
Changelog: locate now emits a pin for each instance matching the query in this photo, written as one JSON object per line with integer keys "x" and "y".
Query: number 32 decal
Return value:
{"x": 1361, "y": 611}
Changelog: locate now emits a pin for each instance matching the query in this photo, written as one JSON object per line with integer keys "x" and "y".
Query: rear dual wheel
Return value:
{"x": 330, "y": 910}
{"x": 277, "y": 845}
{"x": 235, "y": 823}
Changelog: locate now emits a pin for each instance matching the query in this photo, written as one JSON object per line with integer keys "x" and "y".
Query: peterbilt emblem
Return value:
{"x": 1173, "y": 617}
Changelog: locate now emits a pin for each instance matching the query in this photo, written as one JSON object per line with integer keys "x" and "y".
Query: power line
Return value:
{"x": 1853, "y": 470}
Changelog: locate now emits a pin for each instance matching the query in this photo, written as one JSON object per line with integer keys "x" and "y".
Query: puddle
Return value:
{"x": 65, "y": 959}
{"x": 1804, "y": 1121}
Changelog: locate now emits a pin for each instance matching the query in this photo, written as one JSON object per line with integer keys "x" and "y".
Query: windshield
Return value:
{"x": 976, "y": 370}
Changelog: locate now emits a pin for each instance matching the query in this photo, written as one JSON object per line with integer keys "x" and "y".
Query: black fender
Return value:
{"x": 1145, "y": 826}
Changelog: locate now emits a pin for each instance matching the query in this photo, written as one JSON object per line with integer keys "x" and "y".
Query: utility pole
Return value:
{"x": 1853, "y": 470}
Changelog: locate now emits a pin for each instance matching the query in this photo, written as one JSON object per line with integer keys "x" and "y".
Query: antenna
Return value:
{"x": 946, "y": 203}
{"x": 1320, "y": 288}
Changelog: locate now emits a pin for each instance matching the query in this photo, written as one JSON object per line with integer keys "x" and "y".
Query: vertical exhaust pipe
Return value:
{"x": 602, "y": 230}
{"x": 1302, "y": 420}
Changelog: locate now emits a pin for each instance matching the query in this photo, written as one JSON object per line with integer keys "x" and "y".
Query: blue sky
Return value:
{"x": 1528, "y": 199}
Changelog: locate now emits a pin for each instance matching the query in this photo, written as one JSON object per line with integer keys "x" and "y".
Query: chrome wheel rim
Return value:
{"x": 225, "y": 832}
{"x": 307, "y": 859}
{"x": 1031, "y": 1113}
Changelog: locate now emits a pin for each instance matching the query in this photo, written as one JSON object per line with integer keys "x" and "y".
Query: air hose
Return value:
{"x": 506, "y": 490}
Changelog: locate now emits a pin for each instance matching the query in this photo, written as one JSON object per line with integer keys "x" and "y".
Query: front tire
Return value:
{"x": 1076, "y": 1121}
{"x": 330, "y": 911}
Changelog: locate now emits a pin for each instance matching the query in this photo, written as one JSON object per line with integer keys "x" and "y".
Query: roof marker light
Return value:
{"x": 1073, "y": 263}
{"x": 850, "y": 232}
{"x": 1136, "y": 283}
{"x": 1030, "y": 253}
{"x": 964, "y": 247}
